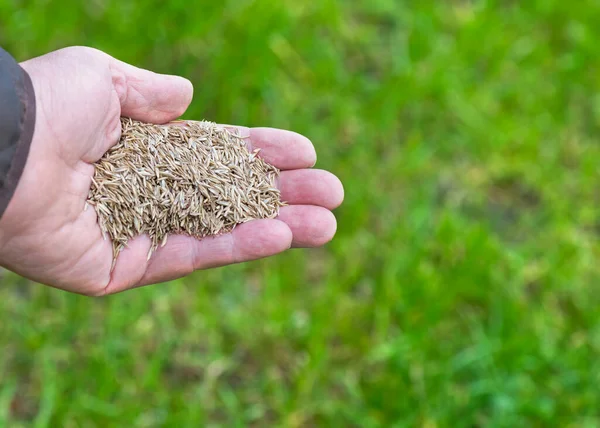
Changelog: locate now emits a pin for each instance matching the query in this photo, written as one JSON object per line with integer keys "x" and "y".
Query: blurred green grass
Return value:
{"x": 461, "y": 289}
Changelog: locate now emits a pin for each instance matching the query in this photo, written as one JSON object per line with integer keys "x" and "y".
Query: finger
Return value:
{"x": 148, "y": 96}
{"x": 282, "y": 149}
{"x": 311, "y": 226}
{"x": 311, "y": 187}
{"x": 249, "y": 241}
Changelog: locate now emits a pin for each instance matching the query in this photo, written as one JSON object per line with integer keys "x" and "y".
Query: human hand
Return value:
{"x": 48, "y": 236}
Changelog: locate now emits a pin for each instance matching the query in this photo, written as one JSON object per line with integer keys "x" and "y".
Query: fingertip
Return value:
{"x": 148, "y": 96}
{"x": 308, "y": 149}
{"x": 287, "y": 237}
{"x": 335, "y": 187}
{"x": 312, "y": 226}
{"x": 339, "y": 191}
{"x": 187, "y": 93}
{"x": 176, "y": 97}
{"x": 261, "y": 238}
{"x": 284, "y": 149}
{"x": 311, "y": 187}
{"x": 329, "y": 229}
{"x": 280, "y": 232}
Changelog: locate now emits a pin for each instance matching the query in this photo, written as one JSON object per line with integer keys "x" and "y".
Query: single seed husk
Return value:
{"x": 188, "y": 177}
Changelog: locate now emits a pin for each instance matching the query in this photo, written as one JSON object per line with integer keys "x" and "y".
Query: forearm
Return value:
{"x": 17, "y": 123}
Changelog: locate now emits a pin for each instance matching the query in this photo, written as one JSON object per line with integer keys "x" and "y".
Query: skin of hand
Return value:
{"x": 47, "y": 235}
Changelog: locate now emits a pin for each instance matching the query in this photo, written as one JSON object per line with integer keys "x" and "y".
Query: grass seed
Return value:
{"x": 192, "y": 178}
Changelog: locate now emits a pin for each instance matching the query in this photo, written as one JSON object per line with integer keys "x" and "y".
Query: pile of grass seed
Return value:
{"x": 193, "y": 178}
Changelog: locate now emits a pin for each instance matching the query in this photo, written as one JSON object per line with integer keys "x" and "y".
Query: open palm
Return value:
{"x": 46, "y": 233}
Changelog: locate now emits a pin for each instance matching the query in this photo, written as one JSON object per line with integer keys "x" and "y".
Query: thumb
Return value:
{"x": 148, "y": 96}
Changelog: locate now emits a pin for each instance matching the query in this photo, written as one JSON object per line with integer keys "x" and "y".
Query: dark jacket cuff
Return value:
{"x": 17, "y": 123}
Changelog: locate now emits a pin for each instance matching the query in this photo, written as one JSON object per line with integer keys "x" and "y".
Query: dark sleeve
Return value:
{"x": 17, "y": 122}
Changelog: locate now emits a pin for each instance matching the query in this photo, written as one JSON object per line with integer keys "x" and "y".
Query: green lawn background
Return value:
{"x": 462, "y": 287}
